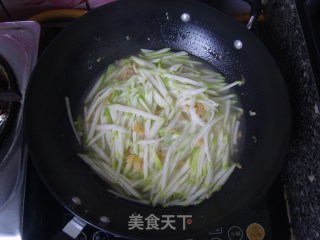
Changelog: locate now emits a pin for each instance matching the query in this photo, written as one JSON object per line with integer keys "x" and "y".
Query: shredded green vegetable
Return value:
{"x": 160, "y": 128}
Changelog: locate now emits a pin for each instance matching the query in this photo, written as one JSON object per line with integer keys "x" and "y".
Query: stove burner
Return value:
{"x": 8, "y": 109}
{"x": 5, "y": 75}
{"x": 18, "y": 54}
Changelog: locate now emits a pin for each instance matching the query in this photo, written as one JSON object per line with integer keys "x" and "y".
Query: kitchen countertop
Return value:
{"x": 301, "y": 175}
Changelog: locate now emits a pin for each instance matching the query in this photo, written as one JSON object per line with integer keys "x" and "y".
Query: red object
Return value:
{"x": 24, "y": 9}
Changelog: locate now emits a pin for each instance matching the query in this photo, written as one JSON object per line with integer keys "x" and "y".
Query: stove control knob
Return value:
{"x": 82, "y": 236}
{"x": 100, "y": 236}
{"x": 235, "y": 233}
{"x": 255, "y": 232}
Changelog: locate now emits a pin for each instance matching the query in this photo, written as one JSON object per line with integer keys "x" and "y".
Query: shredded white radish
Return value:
{"x": 160, "y": 128}
{"x": 71, "y": 120}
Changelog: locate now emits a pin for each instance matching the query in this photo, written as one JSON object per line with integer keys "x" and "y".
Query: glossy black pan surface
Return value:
{"x": 79, "y": 54}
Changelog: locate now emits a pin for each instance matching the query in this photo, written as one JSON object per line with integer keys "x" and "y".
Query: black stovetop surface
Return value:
{"x": 45, "y": 217}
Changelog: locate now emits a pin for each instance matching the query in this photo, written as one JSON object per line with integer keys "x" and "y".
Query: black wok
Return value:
{"x": 69, "y": 66}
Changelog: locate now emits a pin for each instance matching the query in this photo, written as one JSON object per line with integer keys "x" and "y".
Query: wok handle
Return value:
{"x": 256, "y": 8}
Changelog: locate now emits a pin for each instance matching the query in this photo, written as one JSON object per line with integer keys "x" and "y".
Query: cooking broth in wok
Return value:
{"x": 161, "y": 128}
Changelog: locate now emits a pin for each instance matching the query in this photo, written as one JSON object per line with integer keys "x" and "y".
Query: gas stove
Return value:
{"x": 19, "y": 48}
{"x": 44, "y": 217}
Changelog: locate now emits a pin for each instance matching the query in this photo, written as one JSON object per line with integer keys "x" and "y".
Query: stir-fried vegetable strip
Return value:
{"x": 161, "y": 129}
